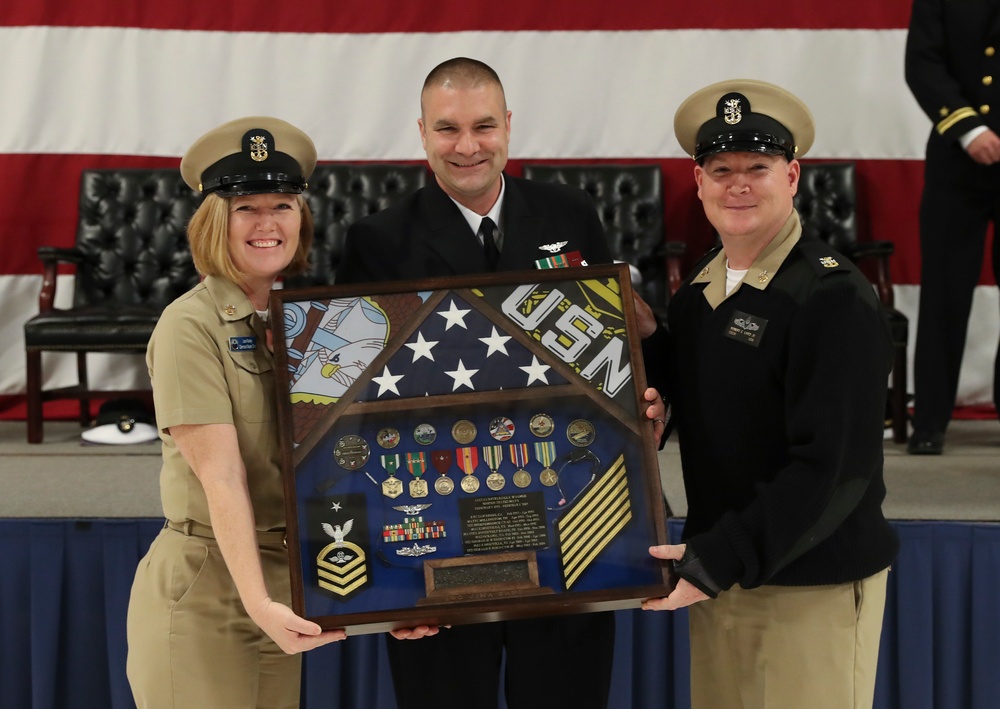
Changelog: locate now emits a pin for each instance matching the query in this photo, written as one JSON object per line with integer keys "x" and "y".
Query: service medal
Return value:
{"x": 391, "y": 486}
{"x": 519, "y": 457}
{"x": 468, "y": 460}
{"x": 416, "y": 463}
{"x": 545, "y": 453}
{"x": 493, "y": 456}
{"x": 495, "y": 481}
{"x": 441, "y": 460}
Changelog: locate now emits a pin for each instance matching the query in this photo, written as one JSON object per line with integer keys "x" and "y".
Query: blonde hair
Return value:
{"x": 208, "y": 237}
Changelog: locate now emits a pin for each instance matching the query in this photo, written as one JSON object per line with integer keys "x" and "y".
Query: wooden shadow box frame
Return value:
{"x": 467, "y": 449}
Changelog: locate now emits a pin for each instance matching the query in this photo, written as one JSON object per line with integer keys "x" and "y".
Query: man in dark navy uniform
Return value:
{"x": 474, "y": 218}
{"x": 953, "y": 70}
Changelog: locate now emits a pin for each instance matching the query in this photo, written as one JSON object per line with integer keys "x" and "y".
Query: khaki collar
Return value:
{"x": 761, "y": 271}
{"x": 231, "y": 303}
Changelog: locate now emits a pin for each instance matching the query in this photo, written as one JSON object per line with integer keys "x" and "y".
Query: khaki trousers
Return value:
{"x": 786, "y": 647}
{"x": 191, "y": 644}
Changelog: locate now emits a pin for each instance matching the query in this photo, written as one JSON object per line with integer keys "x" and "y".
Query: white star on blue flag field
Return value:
{"x": 457, "y": 349}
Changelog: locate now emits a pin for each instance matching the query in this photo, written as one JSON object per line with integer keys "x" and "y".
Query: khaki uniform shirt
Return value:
{"x": 761, "y": 270}
{"x": 209, "y": 363}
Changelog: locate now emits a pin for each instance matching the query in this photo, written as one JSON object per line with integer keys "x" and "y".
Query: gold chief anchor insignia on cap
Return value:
{"x": 258, "y": 148}
{"x": 829, "y": 262}
{"x": 733, "y": 112}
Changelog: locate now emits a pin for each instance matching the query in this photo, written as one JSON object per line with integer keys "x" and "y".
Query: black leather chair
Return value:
{"x": 339, "y": 195}
{"x": 629, "y": 200}
{"x": 131, "y": 259}
{"x": 827, "y": 204}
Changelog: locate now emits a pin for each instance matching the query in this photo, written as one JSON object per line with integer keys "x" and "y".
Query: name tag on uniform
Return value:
{"x": 746, "y": 328}
{"x": 243, "y": 344}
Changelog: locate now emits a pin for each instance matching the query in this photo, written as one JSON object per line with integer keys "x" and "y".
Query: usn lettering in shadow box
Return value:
{"x": 468, "y": 449}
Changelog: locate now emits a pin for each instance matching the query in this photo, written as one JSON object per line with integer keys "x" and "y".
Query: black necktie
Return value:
{"x": 488, "y": 232}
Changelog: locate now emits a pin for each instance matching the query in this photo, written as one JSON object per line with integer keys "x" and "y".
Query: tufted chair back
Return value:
{"x": 131, "y": 259}
{"x": 338, "y": 196}
{"x": 827, "y": 205}
{"x": 131, "y": 239}
{"x": 629, "y": 201}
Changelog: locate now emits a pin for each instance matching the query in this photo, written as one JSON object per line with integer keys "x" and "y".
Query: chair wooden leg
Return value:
{"x": 81, "y": 374}
{"x": 898, "y": 403}
{"x": 34, "y": 396}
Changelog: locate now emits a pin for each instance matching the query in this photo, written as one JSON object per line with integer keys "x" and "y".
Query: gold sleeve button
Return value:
{"x": 987, "y": 80}
{"x": 990, "y": 51}
{"x": 984, "y": 109}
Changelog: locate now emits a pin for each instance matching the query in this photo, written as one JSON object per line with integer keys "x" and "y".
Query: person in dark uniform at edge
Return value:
{"x": 953, "y": 70}
{"x": 777, "y": 358}
{"x": 473, "y": 218}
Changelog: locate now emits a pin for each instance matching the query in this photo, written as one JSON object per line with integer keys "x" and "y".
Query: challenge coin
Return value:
{"x": 581, "y": 433}
{"x": 464, "y": 432}
{"x": 424, "y": 434}
{"x": 502, "y": 428}
{"x": 541, "y": 425}
{"x": 387, "y": 437}
{"x": 351, "y": 452}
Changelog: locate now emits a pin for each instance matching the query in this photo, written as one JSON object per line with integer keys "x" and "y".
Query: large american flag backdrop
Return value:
{"x": 110, "y": 84}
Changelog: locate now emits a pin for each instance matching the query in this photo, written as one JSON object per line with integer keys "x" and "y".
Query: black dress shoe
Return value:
{"x": 925, "y": 443}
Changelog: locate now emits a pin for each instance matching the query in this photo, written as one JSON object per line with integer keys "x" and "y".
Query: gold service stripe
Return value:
{"x": 607, "y": 540}
{"x": 572, "y": 550}
{"x": 617, "y": 469}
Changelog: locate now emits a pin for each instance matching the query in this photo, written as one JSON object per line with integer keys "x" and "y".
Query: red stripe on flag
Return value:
{"x": 459, "y": 15}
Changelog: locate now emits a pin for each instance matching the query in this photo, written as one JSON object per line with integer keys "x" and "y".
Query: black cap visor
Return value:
{"x": 238, "y": 174}
{"x": 744, "y": 142}
{"x": 259, "y": 183}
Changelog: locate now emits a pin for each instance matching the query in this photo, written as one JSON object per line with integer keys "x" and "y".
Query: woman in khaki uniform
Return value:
{"x": 209, "y": 623}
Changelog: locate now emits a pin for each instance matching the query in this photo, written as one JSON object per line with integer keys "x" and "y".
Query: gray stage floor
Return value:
{"x": 65, "y": 478}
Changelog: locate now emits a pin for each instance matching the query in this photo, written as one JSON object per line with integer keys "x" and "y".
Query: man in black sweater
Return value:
{"x": 778, "y": 355}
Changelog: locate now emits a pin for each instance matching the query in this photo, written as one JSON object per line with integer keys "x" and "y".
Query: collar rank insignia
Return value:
{"x": 733, "y": 111}
{"x": 554, "y": 247}
{"x": 829, "y": 262}
{"x": 704, "y": 272}
{"x": 762, "y": 277}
